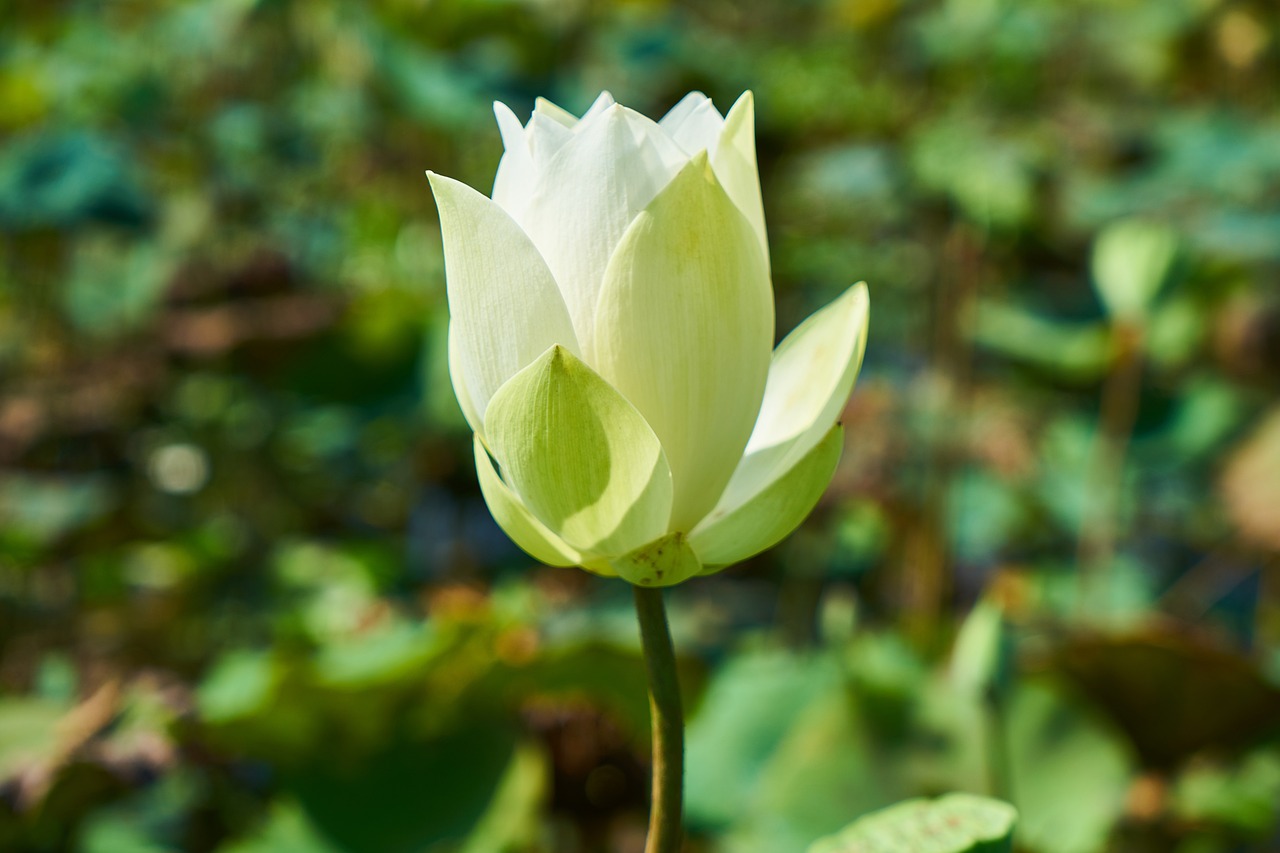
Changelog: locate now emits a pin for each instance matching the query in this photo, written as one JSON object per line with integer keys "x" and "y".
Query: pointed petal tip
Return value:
{"x": 700, "y": 163}
{"x": 744, "y": 107}
{"x": 505, "y": 115}
{"x": 862, "y": 301}
{"x": 860, "y": 295}
{"x": 857, "y": 300}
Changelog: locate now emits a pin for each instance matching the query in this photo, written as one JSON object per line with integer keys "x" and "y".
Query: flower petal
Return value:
{"x": 588, "y": 193}
{"x": 459, "y": 381}
{"x": 602, "y": 102}
{"x": 546, "y": 137}
{"x": 513, "y": 184}
{"x": 810, "y": 380}
{"x": 732, "y": 533}
{"x": 514, "y": 518}
{"x": 734, "y": 160}
{"x": 684, "y": 327}
{"x": 664, "y": 562}
{"x": 813, "y": 371}
{"x": 544, "y": 107}
{"x": 581, "y": 458}
{"x": 694, "y": 124}
{"x": 504, "y": 306}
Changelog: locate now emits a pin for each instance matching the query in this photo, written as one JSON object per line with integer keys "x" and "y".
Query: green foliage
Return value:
{"x": 956, "y": 823}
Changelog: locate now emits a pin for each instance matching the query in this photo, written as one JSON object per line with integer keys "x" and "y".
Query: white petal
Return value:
{"x": 509, "y": 126}
{"x": 513, "y": 185}
{"x": 602, "y": 102}
{"x": 734, "y": 160}
{"x": 694, "y": 124}
{"x": 460, "y": 383}
{"x": 684, "y": 328}
{"x": 587, "y": 195}
{"x": 810, "y": 379}
{"x": 580, "y": 456}
{"x": 504, "y": 306}
{"x": 546, "y": 136}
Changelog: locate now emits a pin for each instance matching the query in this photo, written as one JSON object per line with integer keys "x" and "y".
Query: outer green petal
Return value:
{"x": 664, "y": 562}
{"x": 734, "y": 160}
{"x": 504, "y": 306}
{"x": 810, "y": 379}
{"x": 731, "y": 534}
{"x": 683, "y": 330}
{"x": 580, "y": 456}
{"x": 531, "y": 535}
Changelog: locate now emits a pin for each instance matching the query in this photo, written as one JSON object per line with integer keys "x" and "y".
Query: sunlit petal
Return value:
{"x": 684, "y": 329}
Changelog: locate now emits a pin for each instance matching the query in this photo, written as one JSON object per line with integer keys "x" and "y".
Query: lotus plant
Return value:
{"x": 611, "y": 346}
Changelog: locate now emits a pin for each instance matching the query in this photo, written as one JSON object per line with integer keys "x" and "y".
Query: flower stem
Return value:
{"x": 665, "y": 833}
{"x": 1100, "y": 527}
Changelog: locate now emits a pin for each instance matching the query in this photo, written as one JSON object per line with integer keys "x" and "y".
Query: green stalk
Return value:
{"x": 1099, "y": 530}
{"x": 665, "y": 812}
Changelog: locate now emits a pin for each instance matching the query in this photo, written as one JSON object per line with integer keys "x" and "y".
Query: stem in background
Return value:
{"x": 1266, "y": 624}
{"x": 665, "y": 812}
{"x": 999, "y": 765}
{"x": 927, "y": 551}
{"x": 1119, "y": 411}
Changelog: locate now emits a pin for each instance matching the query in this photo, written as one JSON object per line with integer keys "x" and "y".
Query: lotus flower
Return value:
{"x": 610, "y": 343}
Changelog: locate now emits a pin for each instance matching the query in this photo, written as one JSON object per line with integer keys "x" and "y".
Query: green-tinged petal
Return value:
{"x": 544, "y": 107}
{"x": 730, "y": 534}
{"x": 460, "y": 384}
{"x": 684, "y": 328}
{"x": 810, "y": 379}
{"x": 581, "y": 458}
{"x": 664, "y": 562}
{"x": 734, "y": 160}
{"x": 588, "y": 193}
{"x": 514, "y": 518}
{"x": 504, "y": 306}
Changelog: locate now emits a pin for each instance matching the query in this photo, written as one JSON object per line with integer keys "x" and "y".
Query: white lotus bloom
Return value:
{"x": 611, "y": 328}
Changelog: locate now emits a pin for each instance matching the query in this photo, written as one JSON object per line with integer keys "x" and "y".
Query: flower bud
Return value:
{"x": 610, "y": 343}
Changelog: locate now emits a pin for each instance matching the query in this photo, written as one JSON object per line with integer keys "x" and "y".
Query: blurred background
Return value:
{"x": 251, "y": 600}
